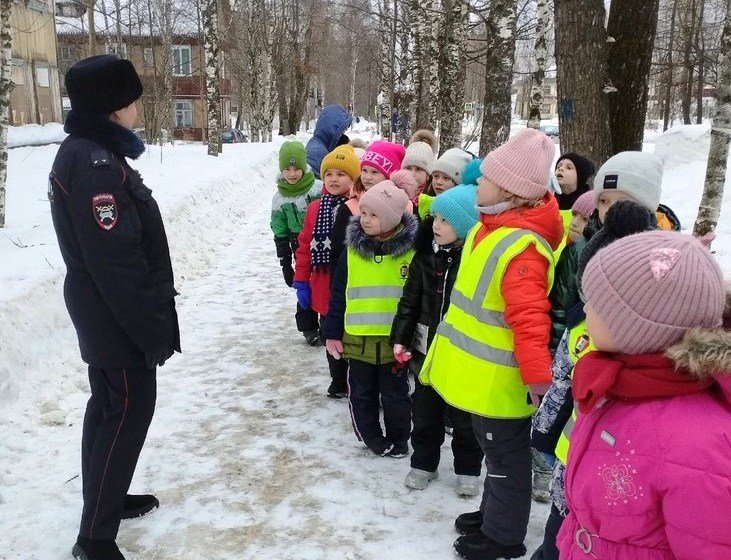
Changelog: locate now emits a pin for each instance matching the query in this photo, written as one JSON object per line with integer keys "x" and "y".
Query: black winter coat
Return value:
{"x": 119, "y": 280}
{"x": 427, "y": 290}
{"x": 565, "y": 292}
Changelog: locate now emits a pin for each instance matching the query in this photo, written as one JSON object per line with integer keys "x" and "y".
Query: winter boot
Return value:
{"x": 399, "y": 451}
{"x": 542, "y": 475}
{"x": 478, "y": 546}
{"x": 313, "y": 338}
{"x": 418, "y": 479}
{"x": 335, "y": 391}
{"x": 468, "y": 522}
{"x": 380, "y": 446}
{"x": 467, "y": 485}
{"x": 95, "y": 549}
{"x": 137, "y": 506}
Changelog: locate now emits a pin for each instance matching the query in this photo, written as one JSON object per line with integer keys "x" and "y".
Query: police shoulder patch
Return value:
{"x": 105, "y": 210}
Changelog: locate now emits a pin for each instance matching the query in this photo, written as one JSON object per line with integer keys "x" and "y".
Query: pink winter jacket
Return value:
{"x": 652, "y": 480}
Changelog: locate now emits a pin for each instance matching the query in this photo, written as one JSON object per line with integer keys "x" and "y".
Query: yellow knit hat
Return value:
{"x": 343, "y": 158}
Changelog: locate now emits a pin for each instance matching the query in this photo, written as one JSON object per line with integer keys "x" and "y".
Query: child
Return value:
{"x": 425, "y": 300}
{"x": 419, "y": 160}
{"x": 380, "y": 160}
{"x": 448, "y": 172}
{"x": 366, "y": 289}
{"x": 296, "y": 188}
{"x": 572, "y": 173}
{"x": 312, "y": 267}
{"x": 649, "y": 471}
{"x": 490, "y": 355}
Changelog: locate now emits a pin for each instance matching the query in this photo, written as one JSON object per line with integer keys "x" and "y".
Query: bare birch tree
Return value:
{"x": 710, "y": 206}
{"x": 5, "y": 87}
{"x": 213, "y": 73}
{"x": 540, "y": 56}
{"x": 454, "y": 65}
{"x": 385, "y": 70}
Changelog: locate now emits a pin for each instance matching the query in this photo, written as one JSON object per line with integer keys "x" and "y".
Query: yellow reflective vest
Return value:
{"x": 471, "y": 362}
{"x": 579, "y": 344}
{"x": 566, "y": 217}
{"x": 374, "y": 288}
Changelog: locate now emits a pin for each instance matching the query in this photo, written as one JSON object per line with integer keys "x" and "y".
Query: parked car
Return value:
{"x": 233, "y": 136}
{"x": 550, "y": 130}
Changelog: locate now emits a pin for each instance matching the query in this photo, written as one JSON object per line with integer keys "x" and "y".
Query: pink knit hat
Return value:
{"x": 584, "y": 205}
{"x": 522, "y": 165}
{"x": 652, "y": 287}
{"x": 384, "y": 156}
{"x": 406, "y": 181}
{"x": 386, "y": 201}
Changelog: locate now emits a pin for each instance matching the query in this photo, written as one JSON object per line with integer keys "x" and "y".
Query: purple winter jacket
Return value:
{"x": 652, "y": 480}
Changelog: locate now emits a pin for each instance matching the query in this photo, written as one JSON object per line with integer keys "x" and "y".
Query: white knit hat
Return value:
{"x": 452, "y": 163}
{"x": 637, "y": 173}
{"x": 421, "y": 155}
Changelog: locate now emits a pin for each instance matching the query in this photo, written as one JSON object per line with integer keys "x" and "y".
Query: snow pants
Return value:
{"x": 118, "y": 415}
{"x": 306, "y": 319}
{"x": 369, "y": 385}
{"x": 427, "y": 436}
{"x": 506, "y": 498}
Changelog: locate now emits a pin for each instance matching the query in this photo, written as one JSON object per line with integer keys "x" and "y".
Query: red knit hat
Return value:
{"x": 522, "y": 166}
{"x": 652, "y": 287}
{"x": 384, "y": 156}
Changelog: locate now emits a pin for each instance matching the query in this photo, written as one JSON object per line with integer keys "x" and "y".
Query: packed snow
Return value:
{"x": 35, "y": 135}
{"x": 247, "y": 455}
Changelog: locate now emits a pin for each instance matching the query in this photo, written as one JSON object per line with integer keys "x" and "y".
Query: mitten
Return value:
{"x": 304, "y": 294}
{"x": 334, "y": 348}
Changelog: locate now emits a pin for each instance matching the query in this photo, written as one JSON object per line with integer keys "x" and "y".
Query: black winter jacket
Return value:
{"x": 119, "y": 280}
{"x": 427, "y": 290}
{"x": 565, "y": 292}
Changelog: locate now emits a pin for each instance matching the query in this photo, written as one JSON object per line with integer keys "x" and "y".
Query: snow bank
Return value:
{"x": 683, "y": 144}
{"x": 35, "y": 135}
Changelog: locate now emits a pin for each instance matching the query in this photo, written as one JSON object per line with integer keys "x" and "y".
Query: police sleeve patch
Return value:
{"x": 105, "y": 210}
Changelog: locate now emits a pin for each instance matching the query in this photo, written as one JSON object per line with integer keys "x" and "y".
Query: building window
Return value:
{"x": 68, "y": 54}
{"x": 149, "y": 58}
{"x": 181, "y": 60}
{"x": 16, "y": 74}
{"x": 183, "y": 114}
{"x": 43, "y": 76}
{"x": 116, "y": 48}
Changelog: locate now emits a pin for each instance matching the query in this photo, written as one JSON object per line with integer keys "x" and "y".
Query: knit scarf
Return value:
{"x": 299, "y": 188}
{"x": 628, "y": 378}
{"x": 320, "y": 245}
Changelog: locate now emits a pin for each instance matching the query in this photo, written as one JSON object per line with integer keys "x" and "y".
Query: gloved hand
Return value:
{"x": 536, "y": 391}
{"x": 304, "y": 294}
{"x": 157, "y": 358}
{"x": 401, "y": 353}
{"x": 334, "y": 348}
{"x": 287, "y": 271}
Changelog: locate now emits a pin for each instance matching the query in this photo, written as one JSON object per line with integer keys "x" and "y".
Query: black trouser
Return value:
{"x": 427, "y": 436}
{"x": 366, "y": 382}
{"x": 306, "y": 319}
{"x": 338, "y": 368}
{"x": 118, "y": 415}
{"x": 548, "y": 550}
{"x": 506, "y": 499}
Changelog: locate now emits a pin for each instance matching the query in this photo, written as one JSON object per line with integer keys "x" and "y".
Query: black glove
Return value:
{"x": 284, "y": 251}
{"x": 287, "y": 271}
{"x": 157, "y": 358}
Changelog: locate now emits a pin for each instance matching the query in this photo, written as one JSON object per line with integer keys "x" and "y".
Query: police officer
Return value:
{"x": 118, "y": 289}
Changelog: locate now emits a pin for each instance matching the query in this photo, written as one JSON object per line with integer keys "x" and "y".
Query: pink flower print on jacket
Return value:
{"x": 619, "y": 480}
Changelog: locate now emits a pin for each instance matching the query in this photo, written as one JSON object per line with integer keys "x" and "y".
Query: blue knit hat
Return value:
{"x": 459, "y": 207}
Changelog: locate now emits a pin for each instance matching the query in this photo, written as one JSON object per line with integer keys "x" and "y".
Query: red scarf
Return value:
{"x": 630, "y": 378}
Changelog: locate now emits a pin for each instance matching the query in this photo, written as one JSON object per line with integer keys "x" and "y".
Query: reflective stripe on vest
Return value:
{"x": 578, "y": 344}
{"x": 471, "y": 361}
{"x": 374, "y": 288}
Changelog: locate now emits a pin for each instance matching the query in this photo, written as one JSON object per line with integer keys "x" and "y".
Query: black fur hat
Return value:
{"x": 100, "y": 85}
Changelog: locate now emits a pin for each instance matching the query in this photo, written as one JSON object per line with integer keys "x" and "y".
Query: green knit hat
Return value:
{"x": 292, "y": 153}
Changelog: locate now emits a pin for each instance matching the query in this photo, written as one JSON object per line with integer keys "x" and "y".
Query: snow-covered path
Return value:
{"x": 247, "y": 456}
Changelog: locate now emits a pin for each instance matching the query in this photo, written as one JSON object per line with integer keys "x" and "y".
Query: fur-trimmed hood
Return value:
{"x": 707, "y": 352}
{"x": 103, "y": 130}
{"x": 398, "y": 244}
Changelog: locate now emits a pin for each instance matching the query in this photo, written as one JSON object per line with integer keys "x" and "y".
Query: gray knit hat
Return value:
{"x": 637, "y": 173}
{"x": 452, "y": 163}
{"x": 421, "y": 155}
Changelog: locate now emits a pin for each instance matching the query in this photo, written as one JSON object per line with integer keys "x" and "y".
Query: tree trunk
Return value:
{"x": 710, "y": 207}
{"x": 700, "y": 53}
{"x": 5, "y": 89}
{"x": 384, "y": 70}
{"x": 213, "y": 86}
{"x": 417, "y": 105}
{"x": 453, "y": 74}
{"x": 687, "y": 98}
{"x": 632, "y": 25}
{"x": 581, "y": 78}
{"x": 498, "y": 74}
{"x": 540, "y": 55}
{"x": 669, "y": 89}
{"x": 92, "y": 26}
{"x": 431, "y": 65}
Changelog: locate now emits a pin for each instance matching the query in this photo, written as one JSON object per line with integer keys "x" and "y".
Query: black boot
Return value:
{"x": 312, "y": 338}
{"x": 336, "y": 391}
{"x": 478, "y": 546}
{"x": 137, "y": 506}
{"x": 468, "y": 523}
{"x": 96, "y": 549}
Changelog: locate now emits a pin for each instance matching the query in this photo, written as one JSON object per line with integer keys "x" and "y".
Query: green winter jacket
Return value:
{"x": 565, "y": 292}
{"x": 288, "y": 212}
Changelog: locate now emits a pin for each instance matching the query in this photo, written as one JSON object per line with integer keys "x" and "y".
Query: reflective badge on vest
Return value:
{"x": 105, "y": 210}
{"x": 404, "y": 271}
{"x": 581, "y": 344}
